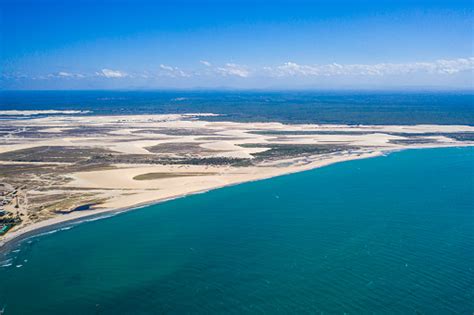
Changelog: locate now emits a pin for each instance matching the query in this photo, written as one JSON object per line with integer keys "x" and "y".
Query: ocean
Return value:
{"x": 335, "y": 107}
{"x": 386, "y": 235}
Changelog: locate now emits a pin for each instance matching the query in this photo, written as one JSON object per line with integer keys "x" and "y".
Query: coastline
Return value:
{"x": 53, "y": 223}
{"x": 77, "y": 217}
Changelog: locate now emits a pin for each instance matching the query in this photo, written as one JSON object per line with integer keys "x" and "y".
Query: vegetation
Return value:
{"x": 281, "y": 151}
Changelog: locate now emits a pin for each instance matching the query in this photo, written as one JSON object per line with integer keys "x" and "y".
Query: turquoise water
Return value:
{"x": 386, "y": 235}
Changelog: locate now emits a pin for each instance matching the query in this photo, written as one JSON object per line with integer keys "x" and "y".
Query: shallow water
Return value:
{"x": 390, "y": 234}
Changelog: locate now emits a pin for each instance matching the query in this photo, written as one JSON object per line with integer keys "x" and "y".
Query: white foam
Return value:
{"x": 41, "y": 112}
{"x": 50, "y": 232}
{"x": 97, "y": 218}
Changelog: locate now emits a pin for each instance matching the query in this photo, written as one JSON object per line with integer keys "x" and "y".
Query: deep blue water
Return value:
{"x": 388, "y": 235}
{"x": 292, "y": 107}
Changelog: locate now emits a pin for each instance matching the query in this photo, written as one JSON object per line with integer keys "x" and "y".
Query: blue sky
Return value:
{"x": 237, "y": 44}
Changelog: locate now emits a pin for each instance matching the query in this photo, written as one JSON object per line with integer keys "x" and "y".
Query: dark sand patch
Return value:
{"x": 162, "y": 175}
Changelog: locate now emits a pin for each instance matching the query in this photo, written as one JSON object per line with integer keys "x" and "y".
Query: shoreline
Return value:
{"x": 70, "y": 219}
{"x": 51, "y": 224}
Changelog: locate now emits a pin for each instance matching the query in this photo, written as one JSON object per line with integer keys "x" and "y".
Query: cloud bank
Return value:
{"x": 173, "y": 72}
{"x": 437, "y": 67}
{"x": 111, "y": 73}
{"x": 437, "y": 72}
{"x": 232, "y": 69}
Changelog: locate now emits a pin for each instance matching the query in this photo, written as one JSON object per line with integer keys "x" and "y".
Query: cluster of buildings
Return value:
{"x": 8, "y": 199}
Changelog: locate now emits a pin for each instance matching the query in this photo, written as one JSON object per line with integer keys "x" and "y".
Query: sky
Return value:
{"x": 85, "y": 44}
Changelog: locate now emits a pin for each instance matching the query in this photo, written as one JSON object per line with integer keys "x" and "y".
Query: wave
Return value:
{"x": 6, "y": 263}
{"x": 98, "y": 218}
{"x": 65, "y": 228}
{"x": 50, "y": 232}
{"x": 41, "y": 112}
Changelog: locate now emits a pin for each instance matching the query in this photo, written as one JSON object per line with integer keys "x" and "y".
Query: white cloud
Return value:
{"x": 455, "y": 65}
{"x": 232, "y": 69}
{"x": 112, "y": 73}
{"x": 165, "y": 67}
{"x": 64, "y": 74}
{"x": 173, "y": 72}
{"x": 442, "y": 69}
{"x": 334, "y": 69}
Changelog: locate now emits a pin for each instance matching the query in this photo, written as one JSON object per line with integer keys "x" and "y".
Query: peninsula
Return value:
{"x": 59, "y": 168}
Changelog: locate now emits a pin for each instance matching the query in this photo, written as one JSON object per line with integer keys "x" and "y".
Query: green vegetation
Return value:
{"x": 53, "y": 154}
{"x": 459, "y": 136}
{"x": 412, "y": 141}
{"x": 281, "y": 151}
{"x": 177, "y": 148}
